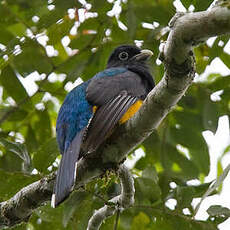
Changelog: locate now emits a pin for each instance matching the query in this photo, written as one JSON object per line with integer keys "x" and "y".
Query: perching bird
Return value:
{"x": 92, "y": 109}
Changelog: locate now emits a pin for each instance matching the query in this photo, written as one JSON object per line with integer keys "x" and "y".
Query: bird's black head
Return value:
{"x": 134, "y": 59}
{"x": 126, "y": 55}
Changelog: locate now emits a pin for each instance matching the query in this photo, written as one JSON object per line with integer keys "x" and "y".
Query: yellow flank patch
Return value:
{"x": 131, "y": 111}
{"x": 94, "y": 108}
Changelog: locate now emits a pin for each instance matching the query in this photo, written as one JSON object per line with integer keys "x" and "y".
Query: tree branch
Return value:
{"x": 187, "y": 30}
{"x": 123, "y": 201}
{"x": 194, "y": 28}
{"x": 20, "y": 207}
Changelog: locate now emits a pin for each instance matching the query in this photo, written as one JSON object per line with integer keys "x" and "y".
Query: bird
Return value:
{"x": 93, "y": 109}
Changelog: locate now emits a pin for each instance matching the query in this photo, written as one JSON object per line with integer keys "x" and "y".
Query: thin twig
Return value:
{"x": 117, "y": 219}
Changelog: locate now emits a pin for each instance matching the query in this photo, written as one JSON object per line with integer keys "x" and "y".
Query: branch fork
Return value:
{"x": 118, "y": 203}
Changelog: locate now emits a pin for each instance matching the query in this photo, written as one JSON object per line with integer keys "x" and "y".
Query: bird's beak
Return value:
{"x": 143, "y": 55}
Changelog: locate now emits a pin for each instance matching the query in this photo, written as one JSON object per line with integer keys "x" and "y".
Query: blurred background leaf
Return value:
{"x": 48, "y": 47}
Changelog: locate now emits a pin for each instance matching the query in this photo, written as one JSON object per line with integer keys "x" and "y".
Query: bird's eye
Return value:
{"x": 123, "y": 56}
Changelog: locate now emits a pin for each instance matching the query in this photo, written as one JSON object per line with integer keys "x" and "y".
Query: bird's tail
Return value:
{"x": 67, "y": 171}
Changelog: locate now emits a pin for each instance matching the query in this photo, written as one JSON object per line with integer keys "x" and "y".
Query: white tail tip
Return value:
{"x": 53, "y": 201}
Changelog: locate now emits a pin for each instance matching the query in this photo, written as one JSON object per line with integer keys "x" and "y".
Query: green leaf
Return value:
{"x": 119, "y": 36}
{"x": 185, "y": 118}
{"x": 170, "y": 221}
{"x": 201, "y": 61}
{"x": 140, "y": 222}
{"x": 17, "y": 29}
{"x": 188, "y": 170}
{"x": 196, "y": 145}
{"x": 219, "y": 213}
{"x": 49, "y": 18}
{"x": 6, "y": 18}
{"x": 62, "y": 54}
{"x": 85, "y": 210}
{"x": 82, "y": 40}
{"x": 199, "y": 5}
{"x": 30, "y": 140}
{"x": 39, "y": 223}
{"x": 19, "y": 149}
{"x": 146, "y": 189}
{"x": 150, "y": 173}
{"x": 73, "y": 204}
{"x": 210, "y": 116}
{"x": 129, "y": 18}
{"x": 219, "y": 172}
{"x": 227, "y": 150}
{"x": 52, "y": 88}
{"x": 162, "y": 11}
{"x": 13, "y": 86}
{"x": 58, "y": 30}
{"x": 49, "y": 214}
{"x": 10, "y": 162}
{"x": 96, "y": 62}
{"x": 10, "y": 183}
{"x": 22, "y": 11}
{"x": 186, "y": 3}
{"x": 101, "y": 7}
{"x": 185, "y": 194}
{"x": 225, "y": 58}
{"x": 74, "y": 65}
{"x": 6, "y": 36}
{"x": 89, "y": 24}
{"x": 66, "y": 4}
{"x": 214, "y": 186}
{"x": 14, "y": 115}
{"x": 32, "y": 58}
{"x": 43, "y": 126}
{"x": 45, "y": 155}
{"x": 152, "y": 149}
{"x": 219, "y": 83}
{"x": 218, "y": 210}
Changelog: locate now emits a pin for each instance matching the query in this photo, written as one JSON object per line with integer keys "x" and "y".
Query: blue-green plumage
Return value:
{"x": 73, "y": 116}
{"x": 125, "y": 80}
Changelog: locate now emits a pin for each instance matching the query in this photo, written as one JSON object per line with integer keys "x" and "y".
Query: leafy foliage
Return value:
{"x": 58, "y": 42}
